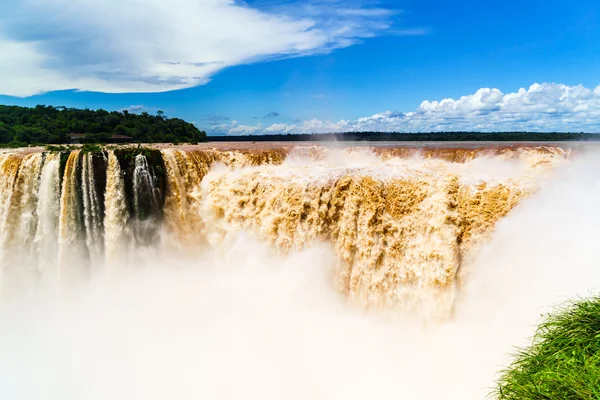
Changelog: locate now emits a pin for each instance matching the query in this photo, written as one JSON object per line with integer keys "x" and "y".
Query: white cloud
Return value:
{"x": 361, "y": 12}
{"x": 160, "y": 45}
{"x": 542, "y": 107}
{"x": 309, "y": 126}
{"x": 234, "y": 129}
{"x": 22, "y": 70}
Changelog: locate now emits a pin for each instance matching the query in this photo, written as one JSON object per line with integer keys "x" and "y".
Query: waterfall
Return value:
{"x": 403, "y": 224}
{"x": 24, "y": 208}
{"x": 116, "y": 230}
{"x": 48, "y": 212}
{"x": 29, "y": 182}
{"x": 92, "y": 214}
{"x": 185, "y": 172}
{"x": 176, "y": 199}
{"x": 9, "y": 165}
{"x": 146, "y": 201}
{"x": 72, "y": 253}
{"x": 145, "y": 193}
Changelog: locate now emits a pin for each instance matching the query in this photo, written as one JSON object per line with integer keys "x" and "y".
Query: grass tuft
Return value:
{"x": 563, "y": 361}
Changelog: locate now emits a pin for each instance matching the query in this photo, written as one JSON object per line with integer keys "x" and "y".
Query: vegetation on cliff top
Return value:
{"x": 46, "y": 124}
{"x": 563, "y": 361}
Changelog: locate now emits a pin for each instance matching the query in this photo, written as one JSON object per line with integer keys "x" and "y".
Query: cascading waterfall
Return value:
{"x": 401, "y": 232}
{"x": 71, "y": 230}
{"x": 404, "y": 223}
{"x": 10, "y": 166}
{"x": 183, "y": 223}
{"x": 117, "y": 236}
{"x": 145, "y": 197}
{"x": 146, "y": 201}
{"x": 48, "y": 213}
{"x": 21, "y": 224}
{"x": 92, "y": 211}
{"x": 25, "y": 212}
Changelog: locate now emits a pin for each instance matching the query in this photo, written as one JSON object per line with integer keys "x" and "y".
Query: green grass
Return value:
{"x": 563, "y": 361}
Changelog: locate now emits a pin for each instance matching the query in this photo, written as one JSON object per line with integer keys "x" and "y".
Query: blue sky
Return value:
{"x": 311, "y": 66}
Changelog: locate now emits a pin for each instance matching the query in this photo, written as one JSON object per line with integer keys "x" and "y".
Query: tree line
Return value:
{"x": 415, "y": 137}
{"x": 21, "y": 126}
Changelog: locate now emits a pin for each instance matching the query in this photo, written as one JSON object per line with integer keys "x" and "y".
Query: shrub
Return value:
{"x": 54, "y": 148}
{"x": 563, "y": 361}
{"x": 91, "y": 148}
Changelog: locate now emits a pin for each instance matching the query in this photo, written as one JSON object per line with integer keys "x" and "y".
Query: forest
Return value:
{"x": 21, "y": 126}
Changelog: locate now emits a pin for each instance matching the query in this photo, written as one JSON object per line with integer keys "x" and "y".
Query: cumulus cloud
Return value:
{"x": 160, "y": 45}
{"x": 542, "y": 107}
